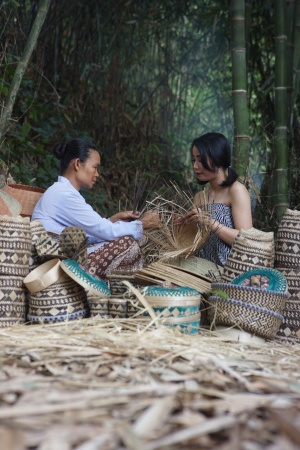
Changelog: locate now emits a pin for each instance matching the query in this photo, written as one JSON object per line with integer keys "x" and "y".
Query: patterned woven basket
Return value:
{"x": 250, "y": 318}
{"x": 252, "y": 248}
{"x": 134, "y": 307}
{"x": 117, "y": 287}
{"x": 289, "y": 331}
{"x": 43, "y": 245}
{"x": 98, "y": 305}
{"x": 117, "y": 308}
{"x": 177, "y": 307}
{"x": 15, "y": 246}
{"x": 63, "y": 300}
{"x": 12, "y": 301}
{"x": 27, "y": 196}
{"x": 271, "y": 300}
{"x": 287, "y": 252}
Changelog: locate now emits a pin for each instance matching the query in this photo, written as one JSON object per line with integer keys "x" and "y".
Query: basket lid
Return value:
{"x": 44, "y": 275}
{"x": 80, "y": 274}
{"x": 160, "y": 291}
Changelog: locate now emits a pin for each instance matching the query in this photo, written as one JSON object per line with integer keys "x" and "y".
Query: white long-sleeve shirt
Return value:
{"x": 63, "y": 206}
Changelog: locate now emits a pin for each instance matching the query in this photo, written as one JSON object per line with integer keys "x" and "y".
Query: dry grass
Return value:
{"x": 114, "y": 384}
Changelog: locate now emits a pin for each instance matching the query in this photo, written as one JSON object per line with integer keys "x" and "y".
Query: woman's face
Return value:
{"x": 201, "y": 172}
{"x": 88, "y": 171}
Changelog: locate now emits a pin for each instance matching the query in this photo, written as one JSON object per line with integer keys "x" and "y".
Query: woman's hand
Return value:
{"x": 150, "y": 219}
{"x": 125, "y": 216}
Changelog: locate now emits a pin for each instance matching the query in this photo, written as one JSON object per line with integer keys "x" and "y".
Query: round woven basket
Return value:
{"x": 252, "y": 248}
{"x": 98, "y": 305}
{"x": 271, "y": 300}
{"x": 250, "y": 318}
{"x": 13, "y": 301}
{"x": 44, "y": 275}
{"x": 287, "y": 252}
{"x": 27, "y": 196}
{"x": 177, "y": 307}
{"x": 15, "y": 246}
{"x": 134, "y": 307}
{"x": 116, "y": 285}
{"x": 63, "y": 300}
{"x": 117, "y": 308}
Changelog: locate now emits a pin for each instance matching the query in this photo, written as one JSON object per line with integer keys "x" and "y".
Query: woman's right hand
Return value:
{"x": 150, "y": 219}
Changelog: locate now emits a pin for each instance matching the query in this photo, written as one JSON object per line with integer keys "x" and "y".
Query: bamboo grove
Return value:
{"x": 142, "y": 79}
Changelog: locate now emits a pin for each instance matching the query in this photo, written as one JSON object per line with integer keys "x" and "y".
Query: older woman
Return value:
{"x": 113, "y": 241}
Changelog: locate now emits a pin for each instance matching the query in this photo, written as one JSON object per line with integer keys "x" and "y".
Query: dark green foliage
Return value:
{"x": 141, "y": 79}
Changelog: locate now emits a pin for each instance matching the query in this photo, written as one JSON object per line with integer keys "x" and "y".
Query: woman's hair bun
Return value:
{"x": 59, "y": 150}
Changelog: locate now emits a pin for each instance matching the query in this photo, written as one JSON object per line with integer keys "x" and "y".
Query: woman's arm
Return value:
{"x": 240, "y": 203}
{"x": 239, "y": 200}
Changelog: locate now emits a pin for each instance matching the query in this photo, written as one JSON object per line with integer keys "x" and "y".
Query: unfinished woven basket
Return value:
{"x": 250, "y": 318}
{"x": 271, "y": 300}
{"x": 27, "y": 196}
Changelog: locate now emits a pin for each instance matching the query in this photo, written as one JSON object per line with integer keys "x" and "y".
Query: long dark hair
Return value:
{"x": 76, "y": 148}
{"x": 215, "y": 151}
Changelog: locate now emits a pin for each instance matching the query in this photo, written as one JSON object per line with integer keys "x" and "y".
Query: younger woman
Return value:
{"x": 226, "y": 200}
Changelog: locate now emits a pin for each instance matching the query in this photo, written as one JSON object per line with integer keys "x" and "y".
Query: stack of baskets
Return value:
{"x": 53, "y": 295}
{"x": 122, "y": 303}
{"x": 254, "y": 302}
{"x": 287, "y": 261}
{"x": 15, "y": 245}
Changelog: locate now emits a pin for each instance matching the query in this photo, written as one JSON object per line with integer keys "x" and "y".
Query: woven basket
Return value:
{"x": 134, "y": 308}
{"x": 252, "y": 248}
{"x": 289, "y": 331}
{"x": 250, "y": 318}
{"x": 116, "y": 285}
{"x": 271, "y": 300}
{"x": 177, "y": 307}
{"x": 15, "y": 246}
{"x": 12, "y": 301}
{"x": 98, "y": 305}
{"x": 27, "y": 196}
{"x": 63, "y": 300}
{"x": 117, "y": 308}
{"x": 9, "y": 206}
{"x": 287, "y": 252}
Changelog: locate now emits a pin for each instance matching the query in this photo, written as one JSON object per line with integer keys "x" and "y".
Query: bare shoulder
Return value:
{"x": 238, "y": 189}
